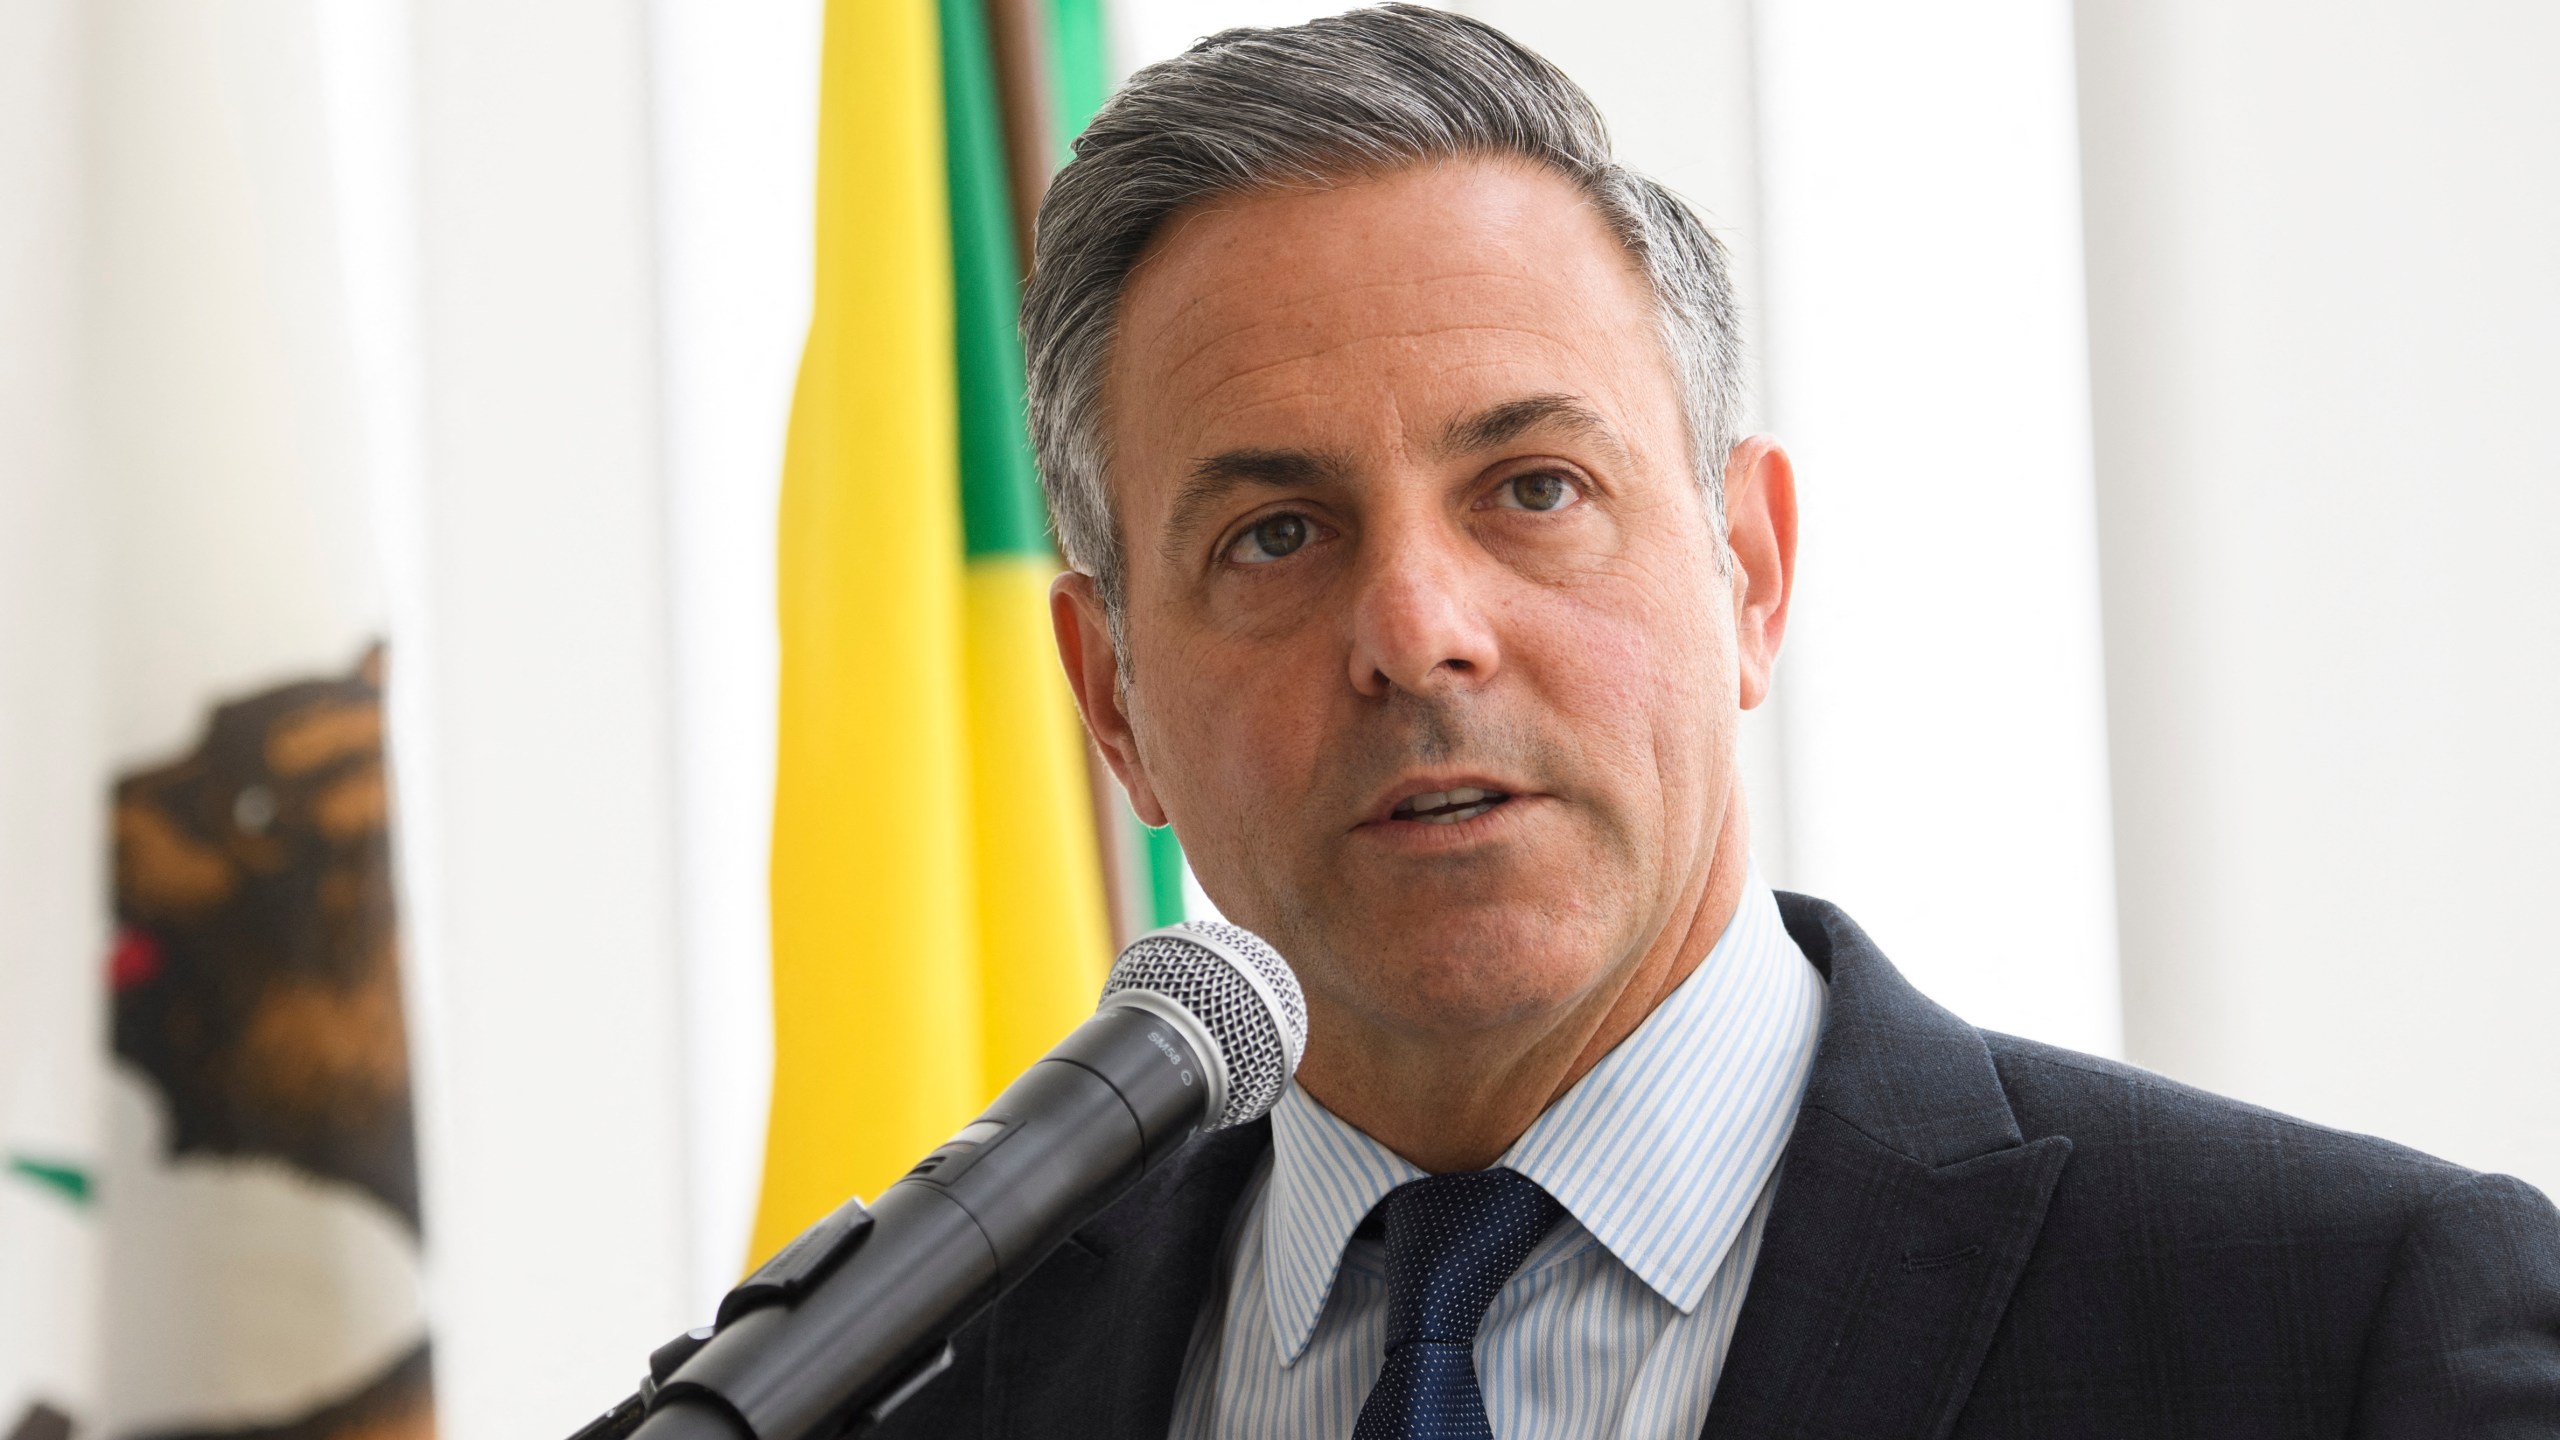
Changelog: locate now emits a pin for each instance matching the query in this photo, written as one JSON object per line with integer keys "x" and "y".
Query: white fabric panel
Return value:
{"x": 736, "y": 91}
{"x": 1927, "y": 366}
{"x": 2326, "y": 332}
{"x": 52, "y": 731}
{"x": 225, "y": 435}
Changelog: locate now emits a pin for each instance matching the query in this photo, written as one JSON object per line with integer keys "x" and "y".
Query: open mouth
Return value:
{"x": 1448, "y": 807}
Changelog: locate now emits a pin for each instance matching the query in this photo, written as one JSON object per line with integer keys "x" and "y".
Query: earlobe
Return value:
{"x": 1093, "y": 673}
{"x": 1760, "y": 523}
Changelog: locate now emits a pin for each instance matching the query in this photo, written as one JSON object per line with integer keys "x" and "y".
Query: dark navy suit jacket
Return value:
{"x": 1973, "y": 1236}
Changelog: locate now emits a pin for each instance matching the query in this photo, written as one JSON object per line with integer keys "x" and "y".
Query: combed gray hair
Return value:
{"x": 1309, "y": 106}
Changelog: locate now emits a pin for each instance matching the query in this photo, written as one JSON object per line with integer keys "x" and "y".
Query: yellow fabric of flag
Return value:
{"x": 1042, "y": 925}
{"x": 938, "y": 918}
{"x": 875, "y": 1001}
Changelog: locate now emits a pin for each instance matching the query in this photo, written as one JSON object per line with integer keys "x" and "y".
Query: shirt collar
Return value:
{"x": 1326, "y": 1176}
{"x": 1660, "y": 1151}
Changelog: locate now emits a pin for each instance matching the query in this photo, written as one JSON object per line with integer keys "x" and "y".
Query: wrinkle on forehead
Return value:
{"x": 1201, "y": 310}
{"x": 1319, "y": 354}
{"x": 1199, "y": 325}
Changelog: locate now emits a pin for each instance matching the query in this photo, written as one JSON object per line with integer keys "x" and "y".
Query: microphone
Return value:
{"x": 1200, "y": 1027}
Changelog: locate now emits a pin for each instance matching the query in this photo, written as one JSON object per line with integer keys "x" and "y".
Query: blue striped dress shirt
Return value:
{"x": 1616, "y": 1326}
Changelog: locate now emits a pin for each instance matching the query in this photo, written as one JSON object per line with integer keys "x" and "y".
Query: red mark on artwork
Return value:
{"x": 135, "y": 960}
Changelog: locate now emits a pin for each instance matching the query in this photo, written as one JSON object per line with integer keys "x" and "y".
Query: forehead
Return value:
{"x": 1361, "y": 314}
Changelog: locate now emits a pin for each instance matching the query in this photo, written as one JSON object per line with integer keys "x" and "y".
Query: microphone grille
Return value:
{"x": 1240, "y": 991}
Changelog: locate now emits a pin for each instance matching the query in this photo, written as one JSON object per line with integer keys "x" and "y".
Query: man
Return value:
{"x": 1419, "y": 580}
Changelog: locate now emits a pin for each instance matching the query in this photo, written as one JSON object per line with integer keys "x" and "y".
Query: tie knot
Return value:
{"x": 1452, "y": 1240}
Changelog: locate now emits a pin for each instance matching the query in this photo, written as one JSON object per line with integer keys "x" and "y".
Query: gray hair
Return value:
{"x": 1309, "y": 106}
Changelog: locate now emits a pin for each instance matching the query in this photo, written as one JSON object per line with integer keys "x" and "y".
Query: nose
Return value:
{"x": 1418, "y": 624}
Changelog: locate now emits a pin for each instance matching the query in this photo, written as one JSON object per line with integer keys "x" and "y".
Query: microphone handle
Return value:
{"x": 688, "y": 1418}
{"x": 1079, "y": 1127}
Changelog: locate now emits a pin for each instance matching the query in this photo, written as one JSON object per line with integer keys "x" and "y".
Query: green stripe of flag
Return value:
{"x": 1076, "y": 41}
{"x": 1000, "y": 509}
{"x": 1164, "y": 876}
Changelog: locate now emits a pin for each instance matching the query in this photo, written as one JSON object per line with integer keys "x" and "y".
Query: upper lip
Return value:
{"x": 1406, "y": 789}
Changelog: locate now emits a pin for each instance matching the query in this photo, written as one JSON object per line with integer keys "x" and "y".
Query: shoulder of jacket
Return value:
{"x": 2121, "y": 1114}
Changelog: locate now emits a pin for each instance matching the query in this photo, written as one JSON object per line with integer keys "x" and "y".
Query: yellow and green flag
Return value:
{"x": 938, "y": 913}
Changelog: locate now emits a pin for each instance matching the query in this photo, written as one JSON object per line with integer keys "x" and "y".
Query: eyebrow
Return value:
{"x": 1214, "y": 479}
{"x": 1501, "y": 424}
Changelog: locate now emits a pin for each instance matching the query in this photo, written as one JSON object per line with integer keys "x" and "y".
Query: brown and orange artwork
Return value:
{"x": 257, "y": 1006}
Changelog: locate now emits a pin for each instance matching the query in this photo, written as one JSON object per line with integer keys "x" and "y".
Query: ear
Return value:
{"x": 1760, "y": 523}
{"x": 1093, "y": 672}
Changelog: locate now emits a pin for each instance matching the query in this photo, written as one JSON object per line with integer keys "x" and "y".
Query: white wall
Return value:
{"x": 556, "y": 1152}
{"x": 1926, "y": 365}
{"x": 1145, "y": 31}
{"x": 2326, "y": 334}
{"x": 735, "y": 92}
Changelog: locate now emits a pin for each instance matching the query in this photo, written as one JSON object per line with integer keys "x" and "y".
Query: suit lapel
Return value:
{"x": 1093, "y": 1341}
{"x": 1907, "y": 1205}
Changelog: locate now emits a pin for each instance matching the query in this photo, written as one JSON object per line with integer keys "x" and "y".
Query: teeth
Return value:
{"x": 1447, "y": 807}
{"x": 1442, "y": 798}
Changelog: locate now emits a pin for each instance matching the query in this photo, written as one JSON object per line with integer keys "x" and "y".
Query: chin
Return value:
{"x": 1471, "y": 972}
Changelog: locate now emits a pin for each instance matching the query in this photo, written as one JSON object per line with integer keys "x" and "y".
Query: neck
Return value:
{"x": 1457, "y": 1103}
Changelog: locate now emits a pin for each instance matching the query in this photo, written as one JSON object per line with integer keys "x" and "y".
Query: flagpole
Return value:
{"x": 1018, "y": 32}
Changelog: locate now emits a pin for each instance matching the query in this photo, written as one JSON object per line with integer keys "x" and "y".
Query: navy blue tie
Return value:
{"x": 1451, "y": 1242}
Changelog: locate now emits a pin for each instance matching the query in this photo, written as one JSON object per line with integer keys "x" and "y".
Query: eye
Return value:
{"x": 1274, "y": 537}
{"x": 1540, "y": 490}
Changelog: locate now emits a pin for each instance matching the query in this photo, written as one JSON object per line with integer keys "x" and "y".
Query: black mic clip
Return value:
{"x": 795, "y": 1267}
{"x": 781, "y": 1280}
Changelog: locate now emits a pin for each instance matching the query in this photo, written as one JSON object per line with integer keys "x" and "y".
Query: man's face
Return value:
{"x": 1428, "y": 656}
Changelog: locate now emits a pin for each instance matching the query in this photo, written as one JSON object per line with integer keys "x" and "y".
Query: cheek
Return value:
{"x": 1228, "y": 736}
{"x": 1643, "y": 686}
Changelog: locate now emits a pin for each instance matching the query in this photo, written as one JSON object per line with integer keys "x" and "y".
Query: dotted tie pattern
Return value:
{"x": 1452, "y": 1240}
